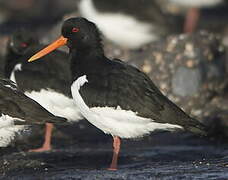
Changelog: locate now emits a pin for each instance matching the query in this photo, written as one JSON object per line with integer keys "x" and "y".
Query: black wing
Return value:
{"x": 15, "y": 104}
{"x": 51, "y": 71}
{"x": 120, "y": 84}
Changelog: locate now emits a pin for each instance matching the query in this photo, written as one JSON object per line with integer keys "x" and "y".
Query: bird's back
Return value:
{"x": 53, "y": 73}
{"x": 125, "y": 86}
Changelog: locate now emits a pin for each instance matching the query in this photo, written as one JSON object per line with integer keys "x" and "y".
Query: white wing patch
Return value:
{"x": 115, "y": 121}
{"x": 119, "y": 28}
{"x": 56, "y": 103}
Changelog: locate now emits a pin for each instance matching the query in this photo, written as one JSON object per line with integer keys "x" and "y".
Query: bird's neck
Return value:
{"x": 11, "y": 59}
{"x": 86, "y": 62}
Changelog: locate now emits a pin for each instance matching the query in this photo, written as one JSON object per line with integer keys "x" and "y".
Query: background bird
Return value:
{"x": 129, "y": 23}
{"x": 193, "y": 11}
{"x": 44, "y": 81}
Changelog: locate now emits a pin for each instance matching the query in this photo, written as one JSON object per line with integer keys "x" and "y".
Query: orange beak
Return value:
{"x": 56, "y": 44}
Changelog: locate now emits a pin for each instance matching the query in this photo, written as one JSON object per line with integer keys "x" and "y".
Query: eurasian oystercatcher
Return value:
{"x": 47, "y": 82}
{"x": 125, "y": 102}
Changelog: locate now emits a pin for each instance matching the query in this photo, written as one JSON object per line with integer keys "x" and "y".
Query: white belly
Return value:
{"x": 125, "y": 124}
{"x": 56, "y": 103}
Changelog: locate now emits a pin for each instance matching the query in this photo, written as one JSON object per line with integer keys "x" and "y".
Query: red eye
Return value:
{"x": 75, "y": 29}
{"x": 24, "y": 44}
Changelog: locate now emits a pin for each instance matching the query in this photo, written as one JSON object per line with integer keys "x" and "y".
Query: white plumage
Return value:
{"x": 56, "y": 103}
{"x": 17, "y": 67}
{"x": 115, "y": 121}
{"x": 8, "y": 130}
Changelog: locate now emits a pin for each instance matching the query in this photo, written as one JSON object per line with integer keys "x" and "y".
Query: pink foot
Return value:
{"x": 42, "y": 149}
{"x": 116, "y": 150}
{"x": 191, "y": 20}
{"x": 112, "y": 169}
{"x": 47, "y": 142}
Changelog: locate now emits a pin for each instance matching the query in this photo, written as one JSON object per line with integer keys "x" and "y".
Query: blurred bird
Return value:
{"x": 17, "y": 110}
{"x": 122, "y": 100}
{"x": 193, "y": 12}
{"x": 128, "y": 23}
{"x": 47, "y": 82}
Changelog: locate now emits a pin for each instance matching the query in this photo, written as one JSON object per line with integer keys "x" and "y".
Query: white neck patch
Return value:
{"x": 17, "y": 67}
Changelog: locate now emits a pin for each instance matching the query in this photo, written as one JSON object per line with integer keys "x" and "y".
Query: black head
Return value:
{"x": 81, "y": 34}
{"x": 21, "y": 41}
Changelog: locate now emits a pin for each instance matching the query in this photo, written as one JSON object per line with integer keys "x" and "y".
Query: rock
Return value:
{"x": 189, "y": 69}
{"x": 186, "y": 82}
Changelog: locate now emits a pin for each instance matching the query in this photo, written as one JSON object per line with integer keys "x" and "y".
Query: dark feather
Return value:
{"x": 15, "y": 104}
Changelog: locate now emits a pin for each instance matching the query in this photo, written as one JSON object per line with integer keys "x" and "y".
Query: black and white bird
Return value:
{"x": 122, "y": 101}
{"x": 17, "y": 110}
{"x": 128, "y": 23}
{"x": 47, "y": 82}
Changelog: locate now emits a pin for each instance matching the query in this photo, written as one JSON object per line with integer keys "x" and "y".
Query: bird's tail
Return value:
{"x": 217, "y": 125}
{"x": 198, "y": 129}
{"x": 214, "y": 127}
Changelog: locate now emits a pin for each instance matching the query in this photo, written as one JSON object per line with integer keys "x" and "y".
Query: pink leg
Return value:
{"x": 47, "y": 142}
{"x": 191, "y": 20}
{"x": 116, "y": 150}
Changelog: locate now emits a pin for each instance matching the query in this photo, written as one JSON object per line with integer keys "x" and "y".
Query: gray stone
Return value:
{"x": 186, "y": 82}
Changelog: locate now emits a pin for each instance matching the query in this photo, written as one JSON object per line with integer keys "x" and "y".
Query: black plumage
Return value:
{"x": 114, "y": 83}
{"x": 53, "y": 74}
{"x": 17, "y": 105}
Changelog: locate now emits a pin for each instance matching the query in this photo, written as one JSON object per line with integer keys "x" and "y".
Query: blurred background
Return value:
{"x": 180, "y": 44}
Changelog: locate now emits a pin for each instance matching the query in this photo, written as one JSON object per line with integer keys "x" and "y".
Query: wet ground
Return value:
{"x": 157, "y": 162}
{"x": 159, "y": 156}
